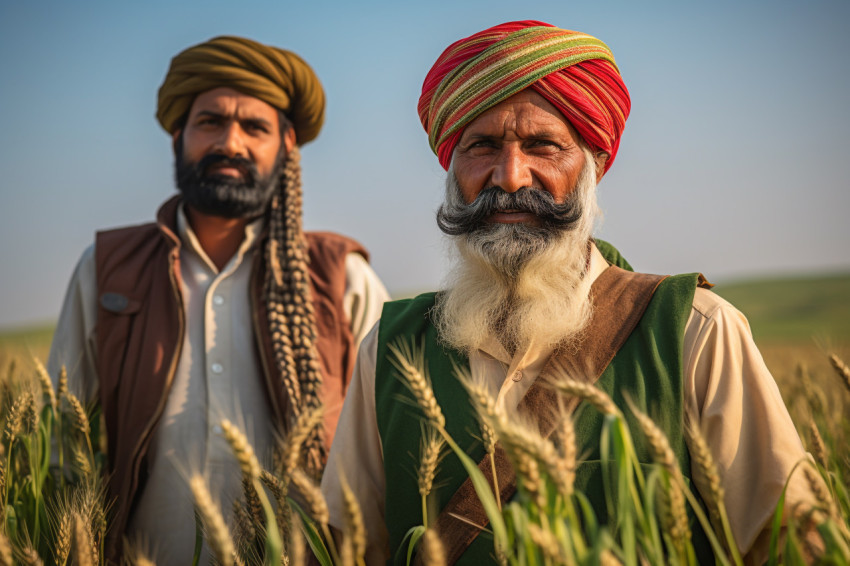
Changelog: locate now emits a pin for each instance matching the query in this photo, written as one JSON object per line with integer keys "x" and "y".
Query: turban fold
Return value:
{"x": 572, "y": 70}
{"x": 276, "y": 76}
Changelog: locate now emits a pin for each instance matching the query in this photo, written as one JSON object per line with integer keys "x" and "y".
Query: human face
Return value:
{"x": 522, "y": 142}
{"x": 222, "y": 155}
{"x": 226, "y": 122}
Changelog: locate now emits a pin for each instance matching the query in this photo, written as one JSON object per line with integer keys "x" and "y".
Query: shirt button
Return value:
{"x": 217, "y": 368}
{"x": 517, "y": 376}
{"x": 217, "y": 429}
{"x": 218, "y": 300}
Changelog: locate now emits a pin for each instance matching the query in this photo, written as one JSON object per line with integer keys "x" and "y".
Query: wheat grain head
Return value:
{"x": 355, "y": 530}
{"x": 678, "y": 526}
{"x": 432, "y": 550}
{"x": 430, "y": 451}
{"x": 44, "y": 380}
{"x": 312, "y": 495}
{"x": 248, "y": 463}
{"x": 410, "y": 363}
{"x": 82, "y": 541}
{"x": 216, "y": 529}
{"x": 841, "y": 369}
{"x": 566, "y": 385}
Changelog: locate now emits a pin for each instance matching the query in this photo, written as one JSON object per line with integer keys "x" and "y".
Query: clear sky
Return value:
{"x": 733, "y": 162}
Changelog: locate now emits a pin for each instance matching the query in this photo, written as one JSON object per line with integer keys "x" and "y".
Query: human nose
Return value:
{"x": 511, "y": 172}
{"x": 231, "y": 142}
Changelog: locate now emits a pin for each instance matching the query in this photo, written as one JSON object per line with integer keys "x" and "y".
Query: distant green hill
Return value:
{"x": 794, "y": 308}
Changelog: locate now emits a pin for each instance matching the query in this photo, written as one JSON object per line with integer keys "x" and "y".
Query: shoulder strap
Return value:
{"x": 620, "y": 298}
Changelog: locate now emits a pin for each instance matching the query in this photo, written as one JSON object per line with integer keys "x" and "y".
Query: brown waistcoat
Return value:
{"x": 140, "y": 326}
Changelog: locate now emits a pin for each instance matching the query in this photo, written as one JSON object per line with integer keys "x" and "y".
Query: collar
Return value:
{"x": 189, "y": 241}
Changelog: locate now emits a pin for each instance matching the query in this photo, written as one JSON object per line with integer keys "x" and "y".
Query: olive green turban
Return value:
{"x": 276, "y": 76}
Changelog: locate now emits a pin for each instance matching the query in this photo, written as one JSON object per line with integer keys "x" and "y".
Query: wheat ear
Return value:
{"x": 545, "y": 540}
{"x": 678, "y": 520}
{"x": 63, "y": 538}
{"x": 248, "y": 462}
{"x": 300, "y": 431}
{"x": 216, "y": 528}
{"x": 44, "y": 380}
{"x": 841, "y": 369}
{"x": 5, "y": 550}
{"x": 82, "y": 541}
{"x": 297, "y": 548}
{"x": 312, "y": 495}
{"x": 355, "y": 530}
{"x": 818, "y": 446}
{"x": 30, "y": 557}
{"x": 14, "y": 420}
{"x": 433, "y": 552}
{"x": 81, "y": 420}
{"x": 410, "y": 362}
{"x": 566, "y": 385}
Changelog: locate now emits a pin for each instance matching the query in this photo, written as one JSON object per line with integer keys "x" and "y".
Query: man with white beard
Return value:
{"x": 526, "y": 118}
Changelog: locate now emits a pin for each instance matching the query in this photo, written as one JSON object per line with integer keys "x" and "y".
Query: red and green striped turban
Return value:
{"x": 276, "y": 76}
{"x": 572, "y": 70}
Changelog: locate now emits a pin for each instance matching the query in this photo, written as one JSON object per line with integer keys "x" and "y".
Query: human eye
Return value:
{"x": 544, "y": 143}
{"x": 482, "y": 143}
{"x": 207, "y": 120}
{"x": 255, "y": 127}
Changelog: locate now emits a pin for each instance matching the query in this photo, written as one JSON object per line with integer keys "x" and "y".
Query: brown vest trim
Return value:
{"x": 620, "y": 298}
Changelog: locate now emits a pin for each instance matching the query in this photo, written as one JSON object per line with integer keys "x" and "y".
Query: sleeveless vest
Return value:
{"x": 647, "y": 368}
{"x": 140, "y": 328}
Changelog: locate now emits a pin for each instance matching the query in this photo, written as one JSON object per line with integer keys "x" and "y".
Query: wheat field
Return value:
{"x": 57, "y": 513}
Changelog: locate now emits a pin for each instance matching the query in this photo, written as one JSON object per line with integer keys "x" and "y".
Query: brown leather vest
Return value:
{"x": 140, "y": 326}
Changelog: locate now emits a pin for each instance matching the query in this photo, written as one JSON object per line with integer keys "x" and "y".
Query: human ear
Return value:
{"x": 289, "y": 139}
{"x": 175, "y": 139}
{"x": 601, "y": 158}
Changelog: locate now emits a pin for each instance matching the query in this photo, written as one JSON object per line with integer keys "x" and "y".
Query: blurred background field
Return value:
{"x": 797, "y": 322}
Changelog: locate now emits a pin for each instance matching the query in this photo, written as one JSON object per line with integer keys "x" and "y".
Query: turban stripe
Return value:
{"x": 574, "y": 71}
{"x": 276, "y": 76}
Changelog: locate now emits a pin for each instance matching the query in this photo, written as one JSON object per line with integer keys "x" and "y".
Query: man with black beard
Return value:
{"x": 223, "y": 308}
{"x": 526, "y": 118}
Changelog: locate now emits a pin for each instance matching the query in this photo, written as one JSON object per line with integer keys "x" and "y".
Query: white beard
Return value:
{"x": 542, "y": 299}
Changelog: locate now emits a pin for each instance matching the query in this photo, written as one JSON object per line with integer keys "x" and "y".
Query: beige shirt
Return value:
{"x": 728, "y": 391}
{"x": 218, "y": 376}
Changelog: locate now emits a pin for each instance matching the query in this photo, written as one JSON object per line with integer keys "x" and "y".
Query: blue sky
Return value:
{"x": 733, "y": 161}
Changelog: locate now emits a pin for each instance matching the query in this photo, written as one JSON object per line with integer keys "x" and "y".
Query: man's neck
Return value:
{"x": 219, "y": 237}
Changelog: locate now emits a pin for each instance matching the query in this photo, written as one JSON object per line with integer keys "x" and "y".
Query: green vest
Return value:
{"x": 647, "y": 369}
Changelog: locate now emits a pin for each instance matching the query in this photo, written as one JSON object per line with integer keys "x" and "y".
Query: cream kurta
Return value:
{"x": 728, "y": 391}
{"x": 219, "y": 375}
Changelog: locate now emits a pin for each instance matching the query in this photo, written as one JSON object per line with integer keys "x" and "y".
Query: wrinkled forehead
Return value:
{"x": 526, "y": 115}
{"x": 231, "y": 102}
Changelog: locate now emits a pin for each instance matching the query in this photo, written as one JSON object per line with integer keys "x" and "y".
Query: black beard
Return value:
{"x": 456, "y": 218}
{"x": 221, "y": 195}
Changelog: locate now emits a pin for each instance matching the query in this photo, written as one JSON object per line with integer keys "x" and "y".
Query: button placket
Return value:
{"x": 218, "y": 352}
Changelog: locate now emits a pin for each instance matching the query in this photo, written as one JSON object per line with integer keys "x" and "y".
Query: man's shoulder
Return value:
{"x": 333, "y": 245}
{"x": 409, "y": 312}
{"x": 125, "y": 241}
{"x": 123, "y": 233}
{"x": 421, "y": 300}
{"x": 166, "y": 221}
{"x": 709, "y": 304}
